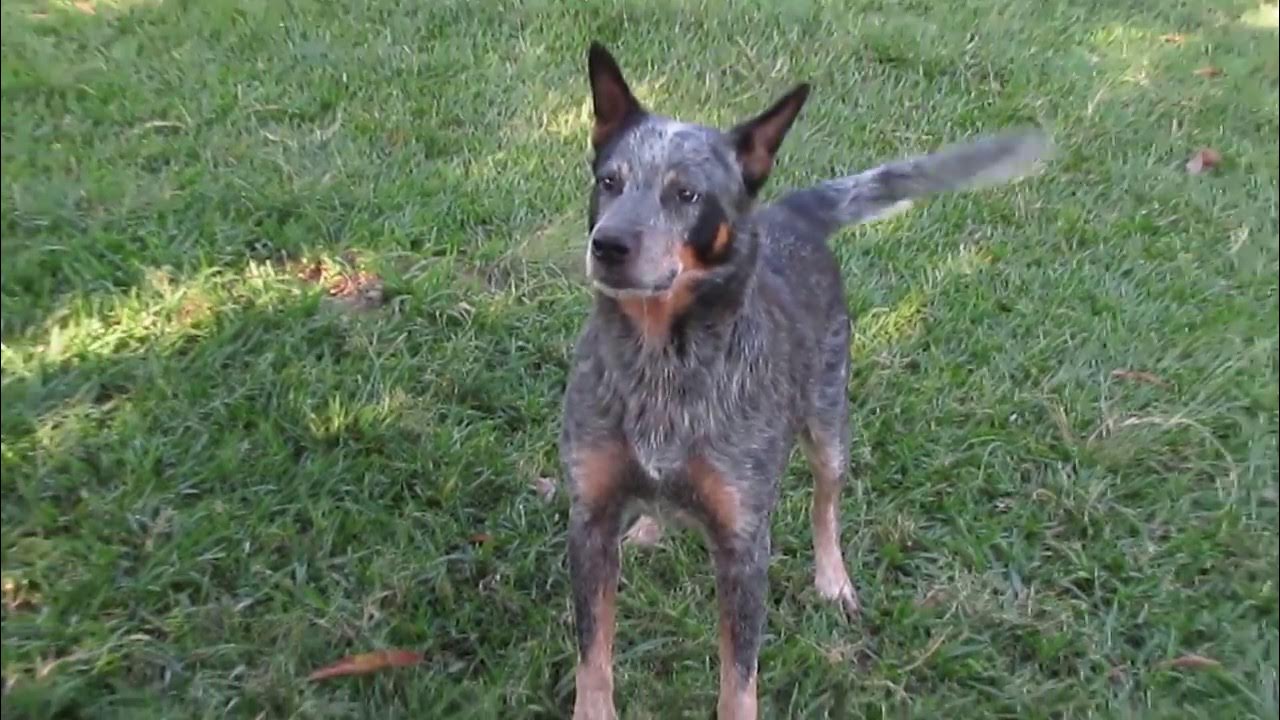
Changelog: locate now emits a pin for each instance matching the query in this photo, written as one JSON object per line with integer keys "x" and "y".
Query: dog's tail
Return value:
{"x": 891, "y": 187}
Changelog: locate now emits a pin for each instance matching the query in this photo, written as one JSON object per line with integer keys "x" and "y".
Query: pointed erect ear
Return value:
{"x": 757, "y": 140}
{"x": 611, "y": 98}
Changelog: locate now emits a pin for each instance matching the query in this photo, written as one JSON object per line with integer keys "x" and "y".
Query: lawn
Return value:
{"x": 289, "y": 291}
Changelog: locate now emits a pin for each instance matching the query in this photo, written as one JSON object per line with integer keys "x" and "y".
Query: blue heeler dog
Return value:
{"x": 719, "y": 338}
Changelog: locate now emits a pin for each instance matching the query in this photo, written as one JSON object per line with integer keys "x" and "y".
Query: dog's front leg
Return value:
{"x": 741, "y": 588}
{"x": 595, "y": 529}
{"x": 593, "y": 571}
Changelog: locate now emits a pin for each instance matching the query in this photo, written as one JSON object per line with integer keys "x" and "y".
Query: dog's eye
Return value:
{"x": 687, "y": 196}
{"x": 609, "y": 183}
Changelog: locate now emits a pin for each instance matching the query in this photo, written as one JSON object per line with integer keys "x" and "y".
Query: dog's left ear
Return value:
{"x": 757, "y": 140}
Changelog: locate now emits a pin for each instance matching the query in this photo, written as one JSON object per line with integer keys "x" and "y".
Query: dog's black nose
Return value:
{"x": 612, "y": 249}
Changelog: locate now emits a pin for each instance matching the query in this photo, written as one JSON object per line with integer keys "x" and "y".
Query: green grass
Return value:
{"x": 215, "y": 479}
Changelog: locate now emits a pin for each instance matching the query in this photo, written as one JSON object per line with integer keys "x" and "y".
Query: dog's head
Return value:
{"x": 667, "y": 194}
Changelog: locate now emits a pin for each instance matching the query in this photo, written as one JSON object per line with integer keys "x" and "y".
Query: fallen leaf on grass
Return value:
{"x": 1192, "y": 662}
{"x": 480, "y": 538}
{"x": 1140, "y": 376}
{"x": 1208, "y": 71}
{"x": 546, "y": 488}
{"x": 1203, "y": 161}
{"x": 359, "y": 290}
{"x": 1173, "y": 38}
{"x": 645, "y": 532}
{"x": 312, "y": 272}
{"x": 366, "y": 663}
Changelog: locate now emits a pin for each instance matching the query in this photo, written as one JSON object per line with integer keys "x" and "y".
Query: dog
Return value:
{"x": 718, "y": 340}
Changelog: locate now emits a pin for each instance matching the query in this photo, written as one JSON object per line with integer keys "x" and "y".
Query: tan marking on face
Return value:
{"x": 721, "y": 244}
{"x": 653, "y": 315}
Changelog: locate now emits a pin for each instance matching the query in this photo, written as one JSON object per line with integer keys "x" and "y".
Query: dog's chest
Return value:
{"x": 670, "y": 407}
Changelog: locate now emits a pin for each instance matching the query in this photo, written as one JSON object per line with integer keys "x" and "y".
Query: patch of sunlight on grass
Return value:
{"x": 160, "y": 309}
{"x": 885, "y": 326}
{"x": 1266, "y": 16}
{"x": 163, "y": 311}
{"x": 568, "y": 115}
{"x": 92, "y": 7}
{"x": 965, "y": 261}
{"x": 1129, "y": 52}
{"x": 379, "y": 407}
{"x": 569, "y": 122}
{"x": 651, "y": 92}
{"x": 64, "y": 426}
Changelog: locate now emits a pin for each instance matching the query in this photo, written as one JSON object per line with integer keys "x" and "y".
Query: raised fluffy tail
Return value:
{"x": 891, "y": 187}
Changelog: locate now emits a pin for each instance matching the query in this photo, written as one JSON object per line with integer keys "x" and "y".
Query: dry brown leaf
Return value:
{"x": 1203, "y": 161}
{"x": 546, "y": 488}
{"x": 480, "y": 538}
{"x": 366, "y": 663}
{"x": 645, "y": 532}
{"x": 1140, "y": 376}
{"x": 1192, "y": 661}
{"x": 312, "y": 272}
{"x": 1208, "y": 71}
{"x": 85, "y": 7}
{"x": 359, "y": 290}
{"x": 1173, "y": 38}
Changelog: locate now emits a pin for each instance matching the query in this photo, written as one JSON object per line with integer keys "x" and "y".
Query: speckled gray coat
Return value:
{"x": 719, "y": 338}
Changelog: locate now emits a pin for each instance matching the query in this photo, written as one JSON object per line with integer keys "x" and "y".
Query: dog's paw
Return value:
{"x": 835, "y": 587}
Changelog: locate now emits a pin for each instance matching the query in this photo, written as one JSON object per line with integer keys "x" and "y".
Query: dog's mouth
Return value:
{"x": 631, "y": 292}
{"x": 627, "y": 290}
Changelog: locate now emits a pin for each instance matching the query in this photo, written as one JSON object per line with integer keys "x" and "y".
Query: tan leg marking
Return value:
{"x": 830, "y": 576}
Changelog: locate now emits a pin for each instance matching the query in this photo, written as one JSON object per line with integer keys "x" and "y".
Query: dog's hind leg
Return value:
{"x": 825, "y": 442}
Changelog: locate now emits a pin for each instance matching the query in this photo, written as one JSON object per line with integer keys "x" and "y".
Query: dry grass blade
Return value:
{"x": 359, "y": 290}
{"x": 367, "y": 663}
{"x": 1191, "y": 661}
{"x": 1141, "y": 376}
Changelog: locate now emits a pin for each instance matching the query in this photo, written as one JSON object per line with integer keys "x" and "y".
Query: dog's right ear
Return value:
{"x": 611, "y": 98}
